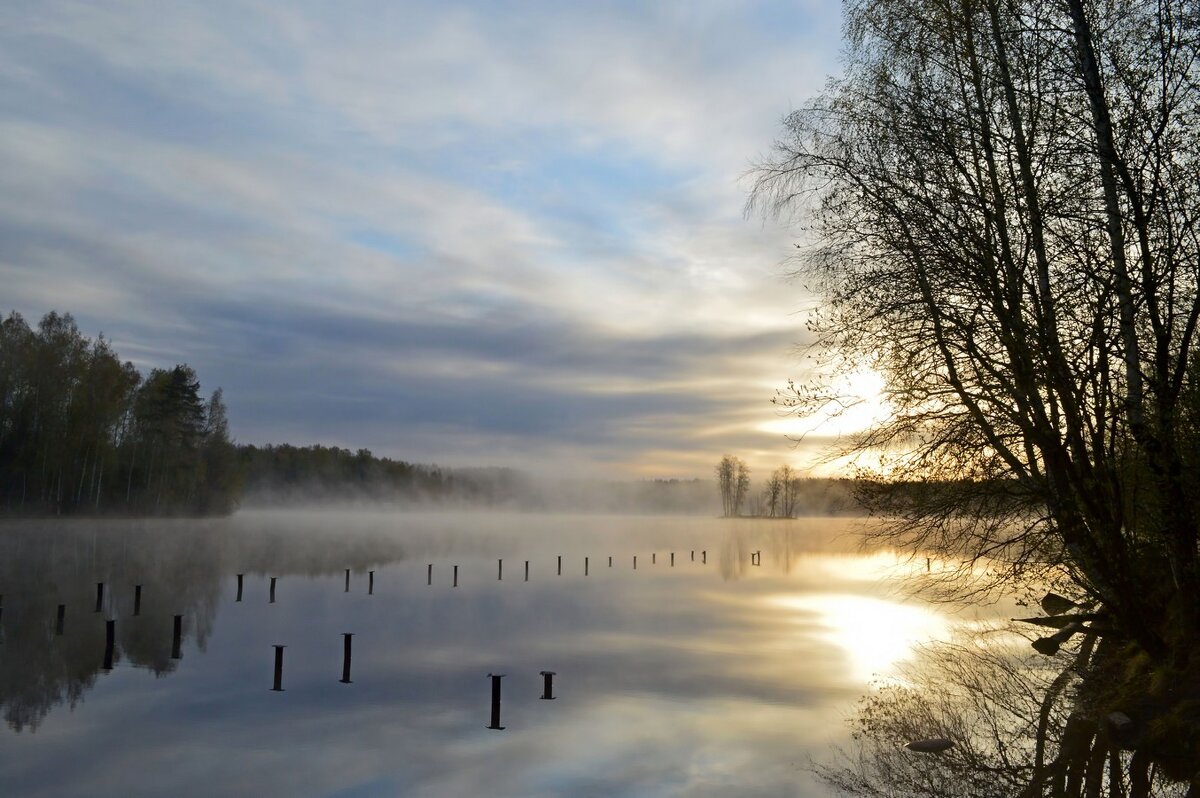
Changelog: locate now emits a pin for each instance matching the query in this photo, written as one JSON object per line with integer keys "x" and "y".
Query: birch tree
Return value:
{"x": 1000, "y": 201}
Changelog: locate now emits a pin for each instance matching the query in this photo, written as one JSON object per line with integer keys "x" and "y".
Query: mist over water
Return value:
{"x": 719, "y": 674}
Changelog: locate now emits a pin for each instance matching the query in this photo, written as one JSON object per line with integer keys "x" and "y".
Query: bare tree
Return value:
{"x": 789, "y": 485}
{"x": 773, "y": 492}
{"x": 1004, "y": 198}
{"x": 733, "y": 480}
{"x": 1005, "y": 201}
{"x": 741, "y": 487}
{"x": 726, "y": 471}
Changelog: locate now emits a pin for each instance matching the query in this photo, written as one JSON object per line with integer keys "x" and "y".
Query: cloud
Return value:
{"x": 418, "y": 227}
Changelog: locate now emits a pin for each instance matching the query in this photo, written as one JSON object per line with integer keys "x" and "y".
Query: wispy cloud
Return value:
{"x": 502, "y": 233}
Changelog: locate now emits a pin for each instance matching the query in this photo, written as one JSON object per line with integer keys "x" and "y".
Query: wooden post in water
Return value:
{"x": 277, "y": 686}
{"x": 272, "y": 590}
{"x": 547, "y": 685}
{"x": 99, "y": 596}
{"x": 60, "y": 619}
{"x": 693, "y": 555}
{"x": 177, "y": 638}
{"x": 585, "y": 566}
{"x": 370, "y": 583}
{"x": 635, "y": 562}
{"x": 610, "y": 561}
{"x": 456, "y": 576}
{"x": 429, "y": 574}
{"x": 110, "y": 638}
{"x": 137, "y": 599}
{"x": 527, "y": 570}
{"x": 704, "y": 557}
{"x": 495, "y": 724}
{"x": 672, "y": 559}
{"x": 499, "y": 570}
{"x": 239, "y": 593}
{"x": 346, "y": 636}
{"x": 347, "y": 590}
{"x": 654, "y": 558}
{"x": 560, "y": 565}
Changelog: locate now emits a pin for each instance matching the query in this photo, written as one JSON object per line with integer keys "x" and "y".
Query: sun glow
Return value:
{"x": 861, "y": 404}
{"x": 875, "y": 634}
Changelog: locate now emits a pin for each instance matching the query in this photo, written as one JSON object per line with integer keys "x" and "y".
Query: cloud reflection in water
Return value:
{"x": 696, "y": 680}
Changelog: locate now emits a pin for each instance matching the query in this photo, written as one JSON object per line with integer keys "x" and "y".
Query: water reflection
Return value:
{"x": 875, "y": 634}
{"x": 173, "y": 570}
{"x": 697, "y": 679}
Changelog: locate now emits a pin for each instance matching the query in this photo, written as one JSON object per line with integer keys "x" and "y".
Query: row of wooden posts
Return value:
{"x": 60, "y": 615}
{"x": 347, "y": 637}
{"x": 755, "y": 559}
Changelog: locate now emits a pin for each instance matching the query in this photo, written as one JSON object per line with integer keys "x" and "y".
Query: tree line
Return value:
{"x": 82, "y": 431}
{"x": 283, "y": 473}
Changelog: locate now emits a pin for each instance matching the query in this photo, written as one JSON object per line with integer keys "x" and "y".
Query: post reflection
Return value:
{"x": 661, "y": 661}
{"x": 52, "y": 662}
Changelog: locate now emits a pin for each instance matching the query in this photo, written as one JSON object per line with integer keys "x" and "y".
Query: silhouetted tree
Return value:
{"x": 733, "y": 481}
{"x": 772, "y": 492}
{"x": 742, "y": 487}
{"x": 1005, "y": 198}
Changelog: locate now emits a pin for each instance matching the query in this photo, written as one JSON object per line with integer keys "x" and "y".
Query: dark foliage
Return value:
{"x": 82, "y": 432}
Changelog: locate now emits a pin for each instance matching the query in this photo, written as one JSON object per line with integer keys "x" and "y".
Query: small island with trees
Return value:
{"x": 784, "y": 495}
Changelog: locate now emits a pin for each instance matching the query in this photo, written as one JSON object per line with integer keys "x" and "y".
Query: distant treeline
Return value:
{"x": 279, "y": 475}
{"x": 286, "y": 474}
{"x": 80, "y": 431}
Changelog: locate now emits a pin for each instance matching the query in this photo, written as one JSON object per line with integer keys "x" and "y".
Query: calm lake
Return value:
{"x": 720, "y": 665}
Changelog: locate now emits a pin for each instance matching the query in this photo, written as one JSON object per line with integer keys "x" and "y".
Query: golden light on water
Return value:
{"x": 875, "y": 634}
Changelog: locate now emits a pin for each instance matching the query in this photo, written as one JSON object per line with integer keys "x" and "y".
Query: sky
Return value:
{"x": 491, "y": 233}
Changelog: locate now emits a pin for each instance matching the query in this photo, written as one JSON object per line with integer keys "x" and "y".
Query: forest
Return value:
{"x": 82, "y": 431}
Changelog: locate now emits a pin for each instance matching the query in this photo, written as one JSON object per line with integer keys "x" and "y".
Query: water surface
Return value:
{"x": 721, "y": 674}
